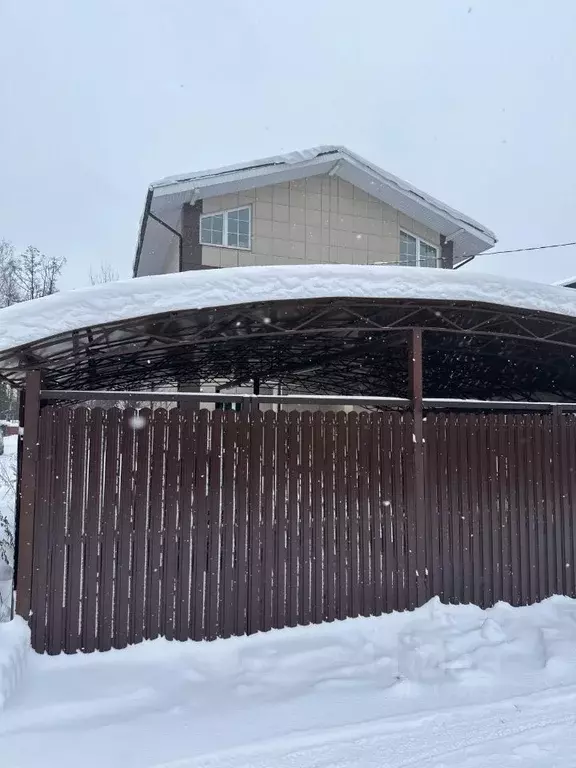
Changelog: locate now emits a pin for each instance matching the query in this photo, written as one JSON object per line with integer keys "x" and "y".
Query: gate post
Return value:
{"x": 27, "y": 469}
{"x": 415, "y": 386}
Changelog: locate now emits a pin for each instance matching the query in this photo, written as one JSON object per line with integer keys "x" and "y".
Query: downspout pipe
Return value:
{"x": 465, "y": 261}
{"x": 145, "y": 217}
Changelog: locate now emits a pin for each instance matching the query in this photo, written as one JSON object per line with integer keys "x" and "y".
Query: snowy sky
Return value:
{"x": 470, "y": 100}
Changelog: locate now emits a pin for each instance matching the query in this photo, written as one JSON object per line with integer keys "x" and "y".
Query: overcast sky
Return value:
{"x": 471, "y": 100}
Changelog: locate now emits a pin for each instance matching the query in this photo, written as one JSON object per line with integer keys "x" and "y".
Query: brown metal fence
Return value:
{"x": 204, "y": 524}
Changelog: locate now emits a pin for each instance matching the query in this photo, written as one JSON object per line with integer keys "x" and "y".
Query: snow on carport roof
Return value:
{"x": 32, "y": 321}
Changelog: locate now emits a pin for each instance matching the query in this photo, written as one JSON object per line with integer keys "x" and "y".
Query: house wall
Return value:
{"x": 172, "y": 263}
{"x": 321, "y": 219}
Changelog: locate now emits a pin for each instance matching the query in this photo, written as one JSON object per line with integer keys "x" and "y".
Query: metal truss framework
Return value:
{"x": 322, "y": 346}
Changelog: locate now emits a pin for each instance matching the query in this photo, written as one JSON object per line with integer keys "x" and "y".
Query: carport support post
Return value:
{"x": 415, "y": 386}
{"x": 27, "y": 469}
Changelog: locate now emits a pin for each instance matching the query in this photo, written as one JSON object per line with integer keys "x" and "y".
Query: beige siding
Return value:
{"x": 316, "y": 220}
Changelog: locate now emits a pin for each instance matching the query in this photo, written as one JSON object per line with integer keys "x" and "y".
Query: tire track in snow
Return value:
{"x": 401, "y": 742}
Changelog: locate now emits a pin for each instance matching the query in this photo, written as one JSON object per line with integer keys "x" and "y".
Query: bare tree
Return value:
{"x": 51, "y": 271}
{"x": 105, "y": 274}
{"x": 37, "y": 274}
{"x": 8, "y": 287}
{"x": 27, "y": 275}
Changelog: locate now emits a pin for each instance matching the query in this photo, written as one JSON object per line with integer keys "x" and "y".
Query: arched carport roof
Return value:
{"x": 318, "y": 328}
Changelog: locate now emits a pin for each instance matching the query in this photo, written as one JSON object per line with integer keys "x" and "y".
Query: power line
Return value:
{"x": 531, "y": 248}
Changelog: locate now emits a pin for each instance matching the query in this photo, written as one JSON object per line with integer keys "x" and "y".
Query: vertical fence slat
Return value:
{"x": 494, "y": 462}
{"x": 138, "y": 575}
{"x": 561, "y": 534}
{"x": 532, "y": 508}
{"x": 26, "y": 487}
{"x": 317, "y": 507}
{"x": 571, "y": 467}
{"x": 465, "y": 511}
{"x": 90, "y": 582}
{"x": 226, "y": 607}
{"x": 455, "y": 535}
{"x": 376, "y": 506}
{"x": 194, "y": 544}
{"x": 190, "y": 502}
{"x": 557, "y": 502}
{"x": 214, "y": 525}
{"x": 476, "y": 509}
{"x": 155, "y": 523}
{"x": 410, "y": 511}
{"x": 56, "y": 597}
{"x": 42, "y": 525}
{"x": 329, "y": 520}
{"x": 241, "y": 526}
{"x": 269, "y": 587}
{"x": 255, "y": 524}
{"x": 75, "y": 528}
{"x": 280, "y": 550}
{"x": 564, "y": 510}
{"x": 514, "y": 515}
{"x": 524, "y": 504}
{"x": 500, "y": 446}
{"x": 107, "y": 531}
{"x": 170, "y": 552}
{"x": 398, "y": 512}
{"x": 446, "y": 588}
{"x": 342, "y": 583}
{"x": 540, "y": 506}
{"x": 293, "y": 522}
{"x": 366, "y": 590}
{"x": 304, "y": 576}
{"x": 548, "y": 495}
{"x": 483, "y": 591}
{"x": 386, "y": 460}
{"x": 435, "y": 580}
{"x": 125, "y": 528}
{"x": 352, "y": 483}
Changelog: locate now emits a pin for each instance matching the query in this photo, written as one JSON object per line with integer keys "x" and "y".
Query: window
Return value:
{"x": 416, "y": 253}
{"x": 230, "y": 229}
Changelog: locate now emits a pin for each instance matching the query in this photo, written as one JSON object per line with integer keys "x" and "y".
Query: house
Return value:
{"x": 321, "y": 205}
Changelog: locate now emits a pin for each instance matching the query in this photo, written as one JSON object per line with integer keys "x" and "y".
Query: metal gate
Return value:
{"x": 202, "y": 524}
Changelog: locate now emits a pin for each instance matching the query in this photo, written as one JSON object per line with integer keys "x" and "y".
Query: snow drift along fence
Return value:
{"x": 205, "y": 524}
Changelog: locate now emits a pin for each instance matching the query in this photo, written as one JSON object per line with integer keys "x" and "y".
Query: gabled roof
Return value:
{"x": 166, "y": 197}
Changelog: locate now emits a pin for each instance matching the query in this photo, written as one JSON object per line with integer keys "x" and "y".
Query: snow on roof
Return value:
{"x": 567, "y": 283}
{"x": 166, "y": 197}
{"x": 43, "y": 318}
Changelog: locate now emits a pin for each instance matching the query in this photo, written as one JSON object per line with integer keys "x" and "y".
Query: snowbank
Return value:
{"x": 394, "y": 690}
{"x": 51, "y": 315}
{"x": 14, "y": 653}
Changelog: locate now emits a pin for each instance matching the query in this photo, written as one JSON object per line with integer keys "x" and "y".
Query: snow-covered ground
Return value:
{"x": 442, "y": 686}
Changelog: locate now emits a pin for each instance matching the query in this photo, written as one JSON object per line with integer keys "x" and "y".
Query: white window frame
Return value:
{"x": 225, "y": 213}
{"x": 421, "y": 240}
